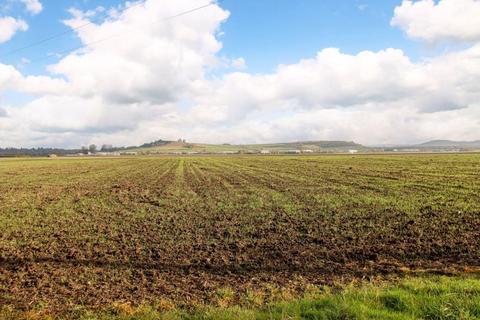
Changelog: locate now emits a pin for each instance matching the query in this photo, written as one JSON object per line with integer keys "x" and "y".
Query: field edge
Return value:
{"x": 424, "y": 296}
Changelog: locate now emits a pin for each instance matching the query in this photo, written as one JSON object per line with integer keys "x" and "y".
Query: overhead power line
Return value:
{"x": 183, "y": 13}
{"x": 69, "y": 31}
{"x": 189, "y": 11}
{"x": 39, "y": 42}
{"x": 58, "y": 35}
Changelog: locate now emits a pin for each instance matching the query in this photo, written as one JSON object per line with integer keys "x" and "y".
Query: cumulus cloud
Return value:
{"x": 9, "y": 26}
{"x": 334, "y": 80}
{"x": 153, "y": 59}
{"x": 445, "y": 20}
{"x": 152, "y": 80}
{"x": 12, "y": 79}
{"x": 33, "y": 6}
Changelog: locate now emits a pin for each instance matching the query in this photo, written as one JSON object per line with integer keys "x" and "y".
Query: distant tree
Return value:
{"x": 92, "y": 148}
{"x": 106, "y": 148}
{"x": 157, "y": 143}
{"x": 10, "y": 152}
{"x": 84, "y": 150}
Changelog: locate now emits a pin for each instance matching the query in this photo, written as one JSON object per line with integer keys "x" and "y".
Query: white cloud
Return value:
{"x": 152, "y": 80}
{"x": 446, "y": 20}
{"x": 364, "y": 124}
{"x": 9, "y": 26}
{"x": 172, "y": 57}
{"x": 33, "y": 6}
{"x": 12, "y": 79}
{"x": 239, "y": 63}
{"x": 334, "y": 80}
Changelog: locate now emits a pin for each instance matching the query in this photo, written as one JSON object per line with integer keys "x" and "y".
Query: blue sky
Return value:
{"x": 265, "y": 33}
{"x": 272, "y": 32}
{"x": 240, "y": 71}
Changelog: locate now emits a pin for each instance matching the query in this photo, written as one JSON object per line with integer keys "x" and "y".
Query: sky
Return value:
{"x": 238, "y": 71}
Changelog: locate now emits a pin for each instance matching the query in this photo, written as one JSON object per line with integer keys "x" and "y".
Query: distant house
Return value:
{"x": 265, "y": 152}
{"x": 108, "y": 154}
{"x": 53, "y": 156}
{"x": 307, "y": 151}
{"x": 353, "y": 151}
{"x": 293, "y": 152}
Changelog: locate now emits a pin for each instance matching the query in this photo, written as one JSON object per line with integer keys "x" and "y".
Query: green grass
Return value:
{"x": 412, "y": 298}
{"x": 434, "y": 297}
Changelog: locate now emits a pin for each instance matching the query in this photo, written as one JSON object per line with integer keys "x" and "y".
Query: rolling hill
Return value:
{"x": 450, "y": 144}
{"x": 162, "y": 146}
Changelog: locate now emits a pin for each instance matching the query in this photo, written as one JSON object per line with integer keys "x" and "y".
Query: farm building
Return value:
{"x": 108, "y": 154}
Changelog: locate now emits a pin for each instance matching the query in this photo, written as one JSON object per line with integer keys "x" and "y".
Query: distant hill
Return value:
{"x": 181, "y": 146}
{"x": 450, "y": 144}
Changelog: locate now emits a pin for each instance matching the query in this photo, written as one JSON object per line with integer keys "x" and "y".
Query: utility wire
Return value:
{"x": 39, "y": 42}
{"x": 189, "y": 11}
{"x": 119, "y": 35}
{"x": 58, "y": 35}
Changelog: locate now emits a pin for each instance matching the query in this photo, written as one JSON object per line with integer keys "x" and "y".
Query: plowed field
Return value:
{"x": 92, "y": 232}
